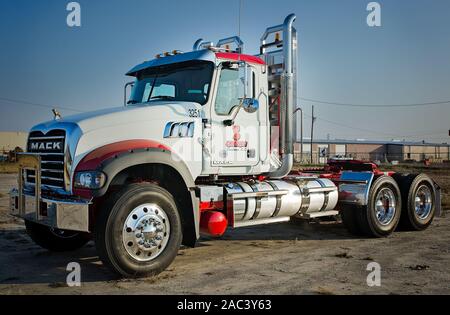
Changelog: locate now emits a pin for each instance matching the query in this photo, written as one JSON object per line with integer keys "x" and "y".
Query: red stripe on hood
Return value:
{"x": 93, "y": 159}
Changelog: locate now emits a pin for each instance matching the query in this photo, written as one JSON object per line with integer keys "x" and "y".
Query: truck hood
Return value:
{"x": 88, "y": 131}
{"x": 117, "y": 116}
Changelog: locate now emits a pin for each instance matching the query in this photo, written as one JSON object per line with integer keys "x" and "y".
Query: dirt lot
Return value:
{"x": 291, "y": 258}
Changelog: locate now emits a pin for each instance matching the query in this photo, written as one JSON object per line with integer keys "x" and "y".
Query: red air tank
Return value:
{"x": 213, "y": 223}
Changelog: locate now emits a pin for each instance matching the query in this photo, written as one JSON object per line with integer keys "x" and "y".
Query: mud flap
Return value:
{"x": 438, "y": 212}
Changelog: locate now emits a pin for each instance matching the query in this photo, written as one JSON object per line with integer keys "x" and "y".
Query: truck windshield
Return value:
{"x": 187, "y": 81}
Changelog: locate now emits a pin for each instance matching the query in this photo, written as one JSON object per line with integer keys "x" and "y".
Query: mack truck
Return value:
{"x": 204, "y": 143}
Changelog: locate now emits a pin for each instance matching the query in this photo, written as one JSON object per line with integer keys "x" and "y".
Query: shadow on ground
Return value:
{"x": 24, "y": 262}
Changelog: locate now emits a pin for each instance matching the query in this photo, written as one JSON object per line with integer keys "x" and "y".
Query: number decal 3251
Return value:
{"x": 194, "y": 112}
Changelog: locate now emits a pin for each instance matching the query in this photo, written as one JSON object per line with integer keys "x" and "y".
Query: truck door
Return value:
{"x": 235, "y": 132}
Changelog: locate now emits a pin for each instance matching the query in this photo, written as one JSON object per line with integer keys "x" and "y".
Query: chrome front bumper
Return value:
{"x": 63, "y": 214}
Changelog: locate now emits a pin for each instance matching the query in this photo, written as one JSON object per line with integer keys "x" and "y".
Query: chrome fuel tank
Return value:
{"x": 256, "y": 200}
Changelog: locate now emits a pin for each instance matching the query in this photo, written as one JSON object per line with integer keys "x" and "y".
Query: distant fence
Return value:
{"x": 9, "y": 155}
{"x": 380, "y": 158}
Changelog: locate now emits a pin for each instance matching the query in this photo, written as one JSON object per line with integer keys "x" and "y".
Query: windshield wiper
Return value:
{"x": 163, "y": 97}
{"x": 132, "y": 102}
{"x": 153, "y": 86}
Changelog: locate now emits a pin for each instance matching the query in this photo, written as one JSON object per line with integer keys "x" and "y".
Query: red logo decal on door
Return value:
{"x": 236, "y": 137}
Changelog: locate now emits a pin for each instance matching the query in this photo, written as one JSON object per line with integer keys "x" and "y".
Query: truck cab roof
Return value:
{"x": 204, "y": 55}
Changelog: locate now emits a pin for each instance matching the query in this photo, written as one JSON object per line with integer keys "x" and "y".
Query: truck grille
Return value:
{"x": 50, "y": 147}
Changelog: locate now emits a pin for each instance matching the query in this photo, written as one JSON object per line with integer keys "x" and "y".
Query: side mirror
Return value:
{"x": 250, "y": 105}
{"x": 131, "y": 84}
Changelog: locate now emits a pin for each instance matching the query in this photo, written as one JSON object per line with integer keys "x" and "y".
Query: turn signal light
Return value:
{"x": 89, "y": 180}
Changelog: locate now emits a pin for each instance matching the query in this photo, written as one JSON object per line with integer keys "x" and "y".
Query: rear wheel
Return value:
{"x": 139, "y": 232}
{"x": 56, "y": 240}
{"x": 382, "y": 214}
{"x": 419, "y": 207}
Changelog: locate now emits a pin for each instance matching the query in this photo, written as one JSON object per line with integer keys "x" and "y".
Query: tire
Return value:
{"x": 383, "y": 189}
{"x": 56, "y": 240}
{"x": 350, "y": 219}
{"x": 413, "y": 186}
{"x": 128, "y": 228}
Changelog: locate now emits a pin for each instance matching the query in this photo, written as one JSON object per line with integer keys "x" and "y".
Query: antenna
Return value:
{"x": 239, "y": 23}
{"x": 239, "y": 18}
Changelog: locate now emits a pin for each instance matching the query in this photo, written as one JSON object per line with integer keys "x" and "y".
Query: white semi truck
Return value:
{"x": 204, "y": 143}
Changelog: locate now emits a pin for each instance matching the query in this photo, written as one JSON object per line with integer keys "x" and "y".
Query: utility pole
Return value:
{"x": 299, "y": 109}
{"x": 313, "y": 119}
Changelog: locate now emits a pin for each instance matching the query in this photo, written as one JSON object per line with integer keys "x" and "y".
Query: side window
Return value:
{"x": 228, "y": 91}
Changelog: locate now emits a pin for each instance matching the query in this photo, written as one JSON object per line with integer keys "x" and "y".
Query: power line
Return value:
{"x": 356, "y": 128}
{"x": 332, "y": 122}
{"x": 39, "y": 105}
{"x": 318, "y": 118}
{"x": 375, "y": 132}
{"x": 374, "y": 105}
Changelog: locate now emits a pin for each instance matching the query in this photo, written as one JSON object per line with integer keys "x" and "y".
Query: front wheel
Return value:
{"x": 56, "y": 240}
{"x": 139, "y": 232}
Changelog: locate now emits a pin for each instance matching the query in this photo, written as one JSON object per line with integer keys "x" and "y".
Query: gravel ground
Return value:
{"x": 290, "y": 258}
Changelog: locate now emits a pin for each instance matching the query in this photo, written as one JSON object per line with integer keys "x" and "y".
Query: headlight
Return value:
{"x": 89, "y": 180}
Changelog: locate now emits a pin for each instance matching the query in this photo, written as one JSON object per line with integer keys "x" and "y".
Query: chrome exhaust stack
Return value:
{"x": 288, "y": 91}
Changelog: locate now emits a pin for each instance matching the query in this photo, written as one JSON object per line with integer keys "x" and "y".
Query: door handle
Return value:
{"x": 228, "y": 122}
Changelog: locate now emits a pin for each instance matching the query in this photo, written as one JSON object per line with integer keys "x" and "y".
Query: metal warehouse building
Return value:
{"x": 382, "y": 151}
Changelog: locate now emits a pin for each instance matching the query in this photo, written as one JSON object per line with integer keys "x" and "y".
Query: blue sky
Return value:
{"x": 342, "y": 60}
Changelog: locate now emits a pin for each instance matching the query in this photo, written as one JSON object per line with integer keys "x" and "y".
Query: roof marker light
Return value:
{"x": 277, "y": 37}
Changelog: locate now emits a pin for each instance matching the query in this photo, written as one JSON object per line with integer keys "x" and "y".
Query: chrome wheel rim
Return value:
{"x": 146, "y": 232}
{"x": 423, "y": 202}
{"x": 385, "y": 206}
